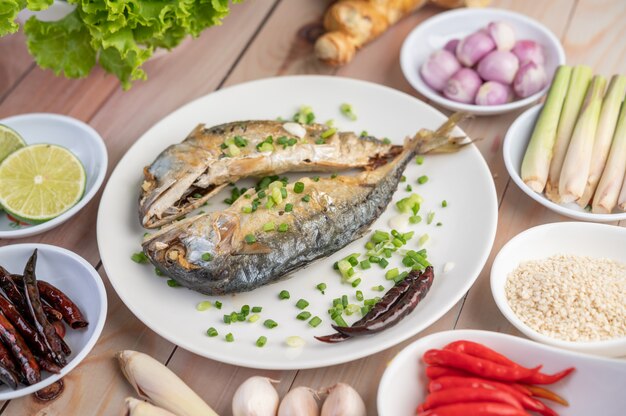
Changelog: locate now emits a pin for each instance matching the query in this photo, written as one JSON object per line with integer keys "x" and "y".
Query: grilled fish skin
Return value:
{"x": 187, "y": 174}
{"x": 339, "y": 211}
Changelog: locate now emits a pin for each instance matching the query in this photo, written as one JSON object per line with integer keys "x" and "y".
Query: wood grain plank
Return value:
{"x": 15, "y": 61}
{"x": 591, "y": 34}
{"x": 97, "y": 386}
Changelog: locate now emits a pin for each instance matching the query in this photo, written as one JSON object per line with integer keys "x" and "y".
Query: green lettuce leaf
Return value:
{"x": 37, "y": 5}
{"x": 63, "y": 46}
{"x": 123, "y": 57}
{"x": 8, "y": 12}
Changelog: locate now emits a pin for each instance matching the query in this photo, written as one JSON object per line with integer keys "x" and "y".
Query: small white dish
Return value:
{"x": 77, "y": 279}
{"x": 593, "y": 389}
{"x": 76, "y": 136}
{"x": 513, "y": 150}
{"x": 435, "y": 32}
{"x": 575, "y": 238}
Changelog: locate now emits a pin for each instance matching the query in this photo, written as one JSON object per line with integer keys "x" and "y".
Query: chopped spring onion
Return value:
{"x": 410, "y": 204}
{"x": 346, "y": 110}
{"x": 359, "y": 295}
{"x": 172, "y": 283}
{"x": 257, "y": 309}
{"x": 284, "y": 295}
{"x": 374, "y": 259}
{"x": 246, "y": 209}
{"x": 339, "y": 321}
{"x": 400, "y": 277}
{"x": 203, "y": 306}
{"x": 282, "y": 228}
{"x": 386, "y": 141}
{"x": 392, "y": 273}
{"x": 306, "y": 198}
{"x": 212, "y": 332}
{"x": 365, "y": 264}
{"x": 298, "y": 187}
{"x": 265, "y": 147}
{"x": 415, "y": 219}
{"x": 344, "y": 301}
{"x": 444, "y": 203}
{"x": 419, "y": 160}
{"x": 380, "y": 236}
{"x": 315, "y": 321}
{"x": 240, "y": 141}
{"x": 288, "y": 207}
{"x": 207, "y": 257}
{"x": 379, "y": 288}
{"x": 250, "y": 238}
{"x": 304, "y": 115}
{"x": 439, "y": 224}
{"x": 301, "y": 304}
{"x": 369, "y": 245}
{"x": 321, "y": 287}
{"x": 333, "y": 176}
{"x": 253, "y": 318}
{"x": 352, "y": 260}
{"x": 326, "y": 134}
{"x": 383, "y": 263}
{"x": 233, "y": 150}
{"x": 227, "y": 319}
{"x": 270, "y": 324}
{"x": 229, "y": 337}
{"x": 303, "y": 316}
{"x": 356, "y": 282}
{"x": 158, "y": 272}
{"x": 269, "y": 226}
{"x": 352, "y": 309}
{"x": 402, "y": 178}
{"x": 422, "y": 179}
{"x": 294, "y": 342}
{"x": 409, "y": 188}
{"x": 139, "y": 257}
{"x": 261, "y": 341}
{"x": 245, "y": 310}
{"x": 218, "y": 304}
{"x": 430, "y": 217}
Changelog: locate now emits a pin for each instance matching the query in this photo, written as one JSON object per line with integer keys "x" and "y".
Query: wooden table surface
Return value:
{"x": 264, "y": 38}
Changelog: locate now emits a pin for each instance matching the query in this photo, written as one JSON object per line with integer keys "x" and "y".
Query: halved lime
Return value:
{"x": 40, "y": 182}
{"x": 10, "y": 141}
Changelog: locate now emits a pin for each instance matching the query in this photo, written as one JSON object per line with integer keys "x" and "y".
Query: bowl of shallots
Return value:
{"x": 481, "y": 61}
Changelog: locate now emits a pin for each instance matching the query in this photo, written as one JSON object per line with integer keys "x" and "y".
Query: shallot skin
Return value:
{"x": 439, "y": 67}
{"x": 463, "y": 86}
{"x": 500, "y": 66}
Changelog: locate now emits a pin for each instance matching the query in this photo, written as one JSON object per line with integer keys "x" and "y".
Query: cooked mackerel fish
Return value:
{"x": 187, "y": 174}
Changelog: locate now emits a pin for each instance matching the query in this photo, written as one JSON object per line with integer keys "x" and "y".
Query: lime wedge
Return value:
{"x": 40, "y": 182}
{"x": 10, "y": 141}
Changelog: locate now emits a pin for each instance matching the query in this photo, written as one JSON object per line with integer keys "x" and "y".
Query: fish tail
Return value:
{"x": 441, "y": 140}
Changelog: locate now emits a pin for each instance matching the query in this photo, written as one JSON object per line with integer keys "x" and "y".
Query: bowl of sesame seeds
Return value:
{"x": 564, "y": 284}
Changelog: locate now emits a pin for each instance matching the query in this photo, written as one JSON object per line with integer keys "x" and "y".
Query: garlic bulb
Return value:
{"x": 300, "y": 401}
{"x": 134, "y": 407}
{"x": 157, "y": 383}
{"x": 343, "y": 400}
{"x": 255, "y": 397}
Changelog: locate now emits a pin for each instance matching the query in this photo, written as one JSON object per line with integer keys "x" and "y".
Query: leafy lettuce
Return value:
{"x": 120, "y": 35}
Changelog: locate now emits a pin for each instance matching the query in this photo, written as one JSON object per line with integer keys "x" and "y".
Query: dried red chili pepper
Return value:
{"x": 477, "y": 366}
{"x": 24, "y": 357}
{"x": 61, "y": 302}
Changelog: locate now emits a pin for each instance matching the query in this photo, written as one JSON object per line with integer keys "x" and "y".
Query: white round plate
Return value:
{"x": 592, "y": 389}
{"x": 466, "y": 237}
{"x": 74, "y": 135}
{"x": 78, "y": 280}
{"x": 434, "y": 33}
{"x": 513, "y": 150}
{"x": 582, "y": 239}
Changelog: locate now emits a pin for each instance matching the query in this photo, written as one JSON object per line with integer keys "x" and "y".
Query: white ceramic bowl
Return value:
{"x": 575, "y": 238}
{"x": 80, "y": 139}
{"x": 593, "y": 389}
{"x": 513, "y": 150}
{"x": 435, "y": 32}
{"x": 78, "y": 280}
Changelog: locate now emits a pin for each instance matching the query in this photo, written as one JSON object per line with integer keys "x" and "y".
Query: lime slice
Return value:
{"x": 10, "y": 141}
{"x": 40, "y": 182}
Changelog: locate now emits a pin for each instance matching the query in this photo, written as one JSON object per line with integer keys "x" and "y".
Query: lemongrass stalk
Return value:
{"x": 622, "y": 196}
{"x": 536, "y": 163}
{"x": 606, "y": 196}
{"x": 157, "y": 383}
{"x": 576, "y": 90}
{"x": 134, "y": 407}
{"x": 604, "y": 135}
{"x": 577, "y": 161}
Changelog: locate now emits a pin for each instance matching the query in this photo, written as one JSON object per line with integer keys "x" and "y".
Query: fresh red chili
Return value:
{"x": 436, "y": 371}
{"x": 475, "y": 409}
{"x": 541, "y": 378}
{"x": 453, "y": 383}
{"x": 468, "y": 395}
{"x": 544, "y": 393}
{"x": 477, "y": 366}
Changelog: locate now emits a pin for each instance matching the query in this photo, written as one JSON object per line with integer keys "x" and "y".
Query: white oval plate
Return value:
{"x": 435, "y": 32}
{"x": 513, "y": 150}
{"x": 594, "y": 388}
{"x": 469, "y": 224}
{"x": 78, "y": 280}
{"x": 74, "y": 135}
{"x": 582, "y": 239}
